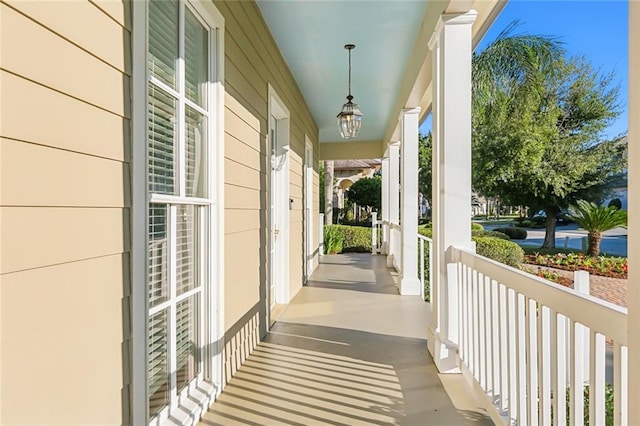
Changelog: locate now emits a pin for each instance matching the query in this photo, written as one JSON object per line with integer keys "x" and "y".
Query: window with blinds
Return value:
{"x": 178, "y": 116}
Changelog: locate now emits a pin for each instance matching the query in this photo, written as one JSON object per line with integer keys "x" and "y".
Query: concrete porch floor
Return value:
{"x": 348, "y": 350}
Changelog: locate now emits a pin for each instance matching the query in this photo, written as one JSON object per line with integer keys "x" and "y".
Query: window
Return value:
{"x": 180, "y": 147}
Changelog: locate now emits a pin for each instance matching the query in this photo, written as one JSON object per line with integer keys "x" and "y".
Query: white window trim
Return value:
{"x": 207, "y": 390}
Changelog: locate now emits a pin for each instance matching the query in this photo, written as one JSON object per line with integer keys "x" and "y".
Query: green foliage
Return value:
{"x": 366, "y": 192}
{"x": 476, "y": 227}
{"x": 610, "y": 266}
{"x": 500, "y": 250}
{"x": 537, "y": 121}
{"x": 321, "y": 177}
{"x": 424, "y": 166}
{"x": 524, "y": 224}
{"x": 597, "y": 219}
{"x": 347, "y": 239}
{"x": 513, "y": 232}
{"x": 493, "y": 234}
{"x": 333, "y": 239}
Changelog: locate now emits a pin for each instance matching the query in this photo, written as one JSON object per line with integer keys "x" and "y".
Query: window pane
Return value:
{"x": 163, "y": 40}
{"x": 195, "y": 153}
{"x": 158, "y": 363}
{"x": 187, "y": 342}
{"x": 162, "y": 136}
{"x": 195, "y": 55}
{"x": 158, "y": 251}
{"x": 187, "y": 249}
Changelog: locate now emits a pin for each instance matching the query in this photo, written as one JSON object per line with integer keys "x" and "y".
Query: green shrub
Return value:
{"x": 427, "y": 232}
{"x": 513, "y": 232}
{"x": 344, "y": 238}
{"x": 494, "y": 234}
{"x": 333, "y": 239}
{"x": 524, "y": 224}
{"x": 477, "y": 227}
{"x": 538, "y": 222}
{"x": 500, "y": 250}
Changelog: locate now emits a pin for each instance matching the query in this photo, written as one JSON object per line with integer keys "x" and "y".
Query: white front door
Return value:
{"x": 279, "y": 200}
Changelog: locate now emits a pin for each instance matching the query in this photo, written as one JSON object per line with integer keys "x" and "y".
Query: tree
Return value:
{"x": 366, "y": 192}
{"x": 537, "y": 124}
{"x": 595, "y": 220}
{"x": 424, "y": 163}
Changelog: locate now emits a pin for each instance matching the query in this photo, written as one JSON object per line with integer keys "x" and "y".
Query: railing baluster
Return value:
{"x": 476, "y": 326}
{"x": 521, "y": 363}
{"x": 488, "y": 332}
{"x": 421, "y": 242}
{"x": 495, "y": 335}
{"x": 576, "y": 387}
{"x": 532, "y": 363}
{"x": 597, "y": 387}
{"x": 482, "y": 366}
{"x": 544, "y": 371}
{"x": 554, "y": 346}
{"x": 560, "y": 394}
{"x": 430, "y": 244}
{"x": 620, "y": 384}
{"x": 513, "y": 365}
{"x": 504, "y": 350}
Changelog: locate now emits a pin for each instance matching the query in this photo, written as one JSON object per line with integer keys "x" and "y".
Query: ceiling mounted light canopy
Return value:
{"x": 350, "y": 118}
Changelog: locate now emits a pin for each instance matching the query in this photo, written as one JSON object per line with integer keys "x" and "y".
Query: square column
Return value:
{"x": 394, "y": 203}
{"x": 633, "y": 296}
{"x": 409, "y": 282}
{"x": 385, "y": 205}
{"x": 451, "y": 50}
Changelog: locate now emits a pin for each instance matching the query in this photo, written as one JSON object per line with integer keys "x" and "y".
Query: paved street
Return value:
{"x": 614, "y": 242}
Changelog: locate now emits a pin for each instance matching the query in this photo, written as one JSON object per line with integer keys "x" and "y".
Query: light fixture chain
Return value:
{"x": 349, "y": 72}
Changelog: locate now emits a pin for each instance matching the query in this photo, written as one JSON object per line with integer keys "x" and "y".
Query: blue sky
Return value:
{"x": 596, "y": 29}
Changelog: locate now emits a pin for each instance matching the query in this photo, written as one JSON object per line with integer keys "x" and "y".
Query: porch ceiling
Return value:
{"x": 390, "y": 66}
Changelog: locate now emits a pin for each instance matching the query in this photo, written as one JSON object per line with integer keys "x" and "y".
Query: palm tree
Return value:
{"x": 514, "y": 64}
{"x": 597, "y": 219}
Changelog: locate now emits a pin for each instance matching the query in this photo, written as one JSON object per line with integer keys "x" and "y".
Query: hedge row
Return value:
{"x": 343, "y": 239}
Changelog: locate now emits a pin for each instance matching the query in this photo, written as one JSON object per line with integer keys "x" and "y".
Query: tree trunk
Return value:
{"x": 328, "y": 192}
{"x": 593, "y": 247}
{"x": 550, "y": 230}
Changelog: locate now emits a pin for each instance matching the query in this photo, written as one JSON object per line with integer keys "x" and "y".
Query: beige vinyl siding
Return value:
{"x": 252, "y": 63}
{"x": 64, "y": 208}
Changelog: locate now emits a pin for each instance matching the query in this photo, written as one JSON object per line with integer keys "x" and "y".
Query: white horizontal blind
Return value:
{"x": 178, "y": 58}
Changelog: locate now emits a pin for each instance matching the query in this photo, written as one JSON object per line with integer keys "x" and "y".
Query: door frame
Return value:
{"x": 308, "y": 209}
{"x": 278, "y": 202}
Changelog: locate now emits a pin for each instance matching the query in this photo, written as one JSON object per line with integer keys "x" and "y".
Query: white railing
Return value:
{"x": 376, "y": 234}
{"x": 422, "y": 240}
{"x": 522, "y": 341}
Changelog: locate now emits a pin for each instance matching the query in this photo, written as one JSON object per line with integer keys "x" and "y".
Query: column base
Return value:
{"x": 390, "y": 263}
{"x": 443, "y": 352}
{"x": 410, "y": 287}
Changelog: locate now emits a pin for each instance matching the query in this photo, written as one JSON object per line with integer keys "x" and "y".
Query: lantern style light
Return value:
{"x": 350, "y": 118}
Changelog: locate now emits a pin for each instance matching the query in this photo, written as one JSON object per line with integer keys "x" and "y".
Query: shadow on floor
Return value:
{"x": 306, "y": 374}
{"x": 366, "y": 273}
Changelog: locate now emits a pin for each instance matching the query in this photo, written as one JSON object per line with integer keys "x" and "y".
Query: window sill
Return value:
{"x": 193, "y": 406}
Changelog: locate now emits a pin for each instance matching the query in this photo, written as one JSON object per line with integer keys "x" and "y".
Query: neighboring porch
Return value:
{"x": 347, "y": 350}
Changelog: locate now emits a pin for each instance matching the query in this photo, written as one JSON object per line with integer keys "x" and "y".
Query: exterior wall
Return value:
{"x": 64, "y": 206}
{"x": 252, "y": 63}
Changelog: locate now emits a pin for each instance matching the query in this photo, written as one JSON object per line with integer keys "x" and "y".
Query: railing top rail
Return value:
{"x": 597, "y": 314}
{"x": 394, "y": 226}
{"x": 422, "y": 237}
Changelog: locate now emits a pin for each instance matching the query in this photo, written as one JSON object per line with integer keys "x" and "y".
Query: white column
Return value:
{"x": 409, "y": 282}
{"x": 385, "y": 205}
{"x": 633, "y": 191}
{"x": 451, "y": 49}
{"x": 394, "y": 202}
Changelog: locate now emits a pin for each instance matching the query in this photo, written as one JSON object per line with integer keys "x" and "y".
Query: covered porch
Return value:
{"x": 347, "y": 350}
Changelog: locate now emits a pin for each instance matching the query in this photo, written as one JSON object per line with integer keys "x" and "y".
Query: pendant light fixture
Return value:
{"x": 350, "y": 118}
